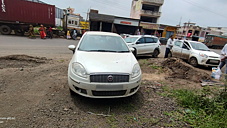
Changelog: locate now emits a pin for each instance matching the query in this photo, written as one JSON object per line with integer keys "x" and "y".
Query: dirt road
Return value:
{"x": 34, "y": 90}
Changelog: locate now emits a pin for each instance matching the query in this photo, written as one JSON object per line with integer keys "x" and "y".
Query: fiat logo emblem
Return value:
{"x": 110, "y": 78}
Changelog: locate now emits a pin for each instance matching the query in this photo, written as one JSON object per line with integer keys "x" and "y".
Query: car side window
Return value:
{"x": 141, "y": 41}
{"x": 151, "y": 40}
{"x": 177, "y": 43}
{"x": 186, "y": 46}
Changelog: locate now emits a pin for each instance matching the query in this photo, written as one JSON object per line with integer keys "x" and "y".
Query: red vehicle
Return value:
{"x": 17, "y": 15}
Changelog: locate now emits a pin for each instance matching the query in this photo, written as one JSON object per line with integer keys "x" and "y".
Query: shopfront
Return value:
{"x": 125, "y": 25}
{"x": 150, "y": 29}
{"x": 101, "y": 22}
{"x": 169, "y": 30}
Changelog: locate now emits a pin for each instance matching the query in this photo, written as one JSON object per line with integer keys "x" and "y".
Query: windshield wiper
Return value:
{"x": 121, "y": 51}
{"x": 101, "y": 51}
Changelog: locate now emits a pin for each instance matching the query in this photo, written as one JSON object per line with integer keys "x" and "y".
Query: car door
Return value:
{"x": 150, "y": 44}
{"x": 177, "y": 49}
{"x": 186, "y": 51}
{"x": 140, "y": 45}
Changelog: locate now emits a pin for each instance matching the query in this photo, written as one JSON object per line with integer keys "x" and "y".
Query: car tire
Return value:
{"x": 193, "y": 61}
{"x": 155, "y": 53}
{"x": 135, "y": 52}
{"x": 19, "y": 32}
{"x": 5, "y": 30}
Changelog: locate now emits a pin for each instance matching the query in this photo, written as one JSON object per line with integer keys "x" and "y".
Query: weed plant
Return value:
{"x": 204, "y": 109}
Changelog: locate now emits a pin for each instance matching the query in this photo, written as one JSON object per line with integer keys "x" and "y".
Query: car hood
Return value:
{"x": 210, "y": 53}
{"x": 103, "y": 62}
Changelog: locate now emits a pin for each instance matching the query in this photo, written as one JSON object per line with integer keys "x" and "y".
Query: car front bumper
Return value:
{"x": 209, "y": 61}
{"x": 104, "y": 90}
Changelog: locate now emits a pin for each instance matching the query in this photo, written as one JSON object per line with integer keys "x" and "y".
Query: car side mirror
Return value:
{"x": 138, "y": 42}
{"x": 72, "y": 47}
{"x": 132, "y": 49}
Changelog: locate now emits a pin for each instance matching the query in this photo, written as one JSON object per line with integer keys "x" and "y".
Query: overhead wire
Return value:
{"x": 204, "y": 8}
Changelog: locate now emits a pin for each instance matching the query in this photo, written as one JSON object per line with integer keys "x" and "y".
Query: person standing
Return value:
{"x": 42, "y": 32}
{"x": 31, "y": 31}
{"x": 50, "y": 32}
{"x": 223, "y": 58}
{"x": 74, "y": 34}
{"x": 68, "y": 35}
{"x": 169, "y": 45}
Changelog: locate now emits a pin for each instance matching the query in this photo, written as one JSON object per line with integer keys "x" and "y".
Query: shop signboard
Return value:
{"x": 149, "y": 26}
{"x": 84, "y": 25}
{"x": 123, "y": 21}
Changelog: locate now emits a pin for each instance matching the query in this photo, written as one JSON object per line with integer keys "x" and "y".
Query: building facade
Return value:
{"x": 146, "y": 10}
{"x": 110, "y": 23}
{"x": 190, "y": 30}
{"x": 220, "y": 31}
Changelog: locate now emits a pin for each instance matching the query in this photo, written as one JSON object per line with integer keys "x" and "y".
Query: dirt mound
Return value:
{"x": 21, "y": 61}
{"x": 179, "y": 69}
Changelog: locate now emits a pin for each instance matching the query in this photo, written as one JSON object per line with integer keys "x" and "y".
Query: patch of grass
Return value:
{"x": 61, "y": 61}
{"x": 112, "y": 121}
{"x": 205, "y": 108}
{"x": 138, "y": 120}
{"x": 144, "y": 62}
{"x": 155, "y": 67}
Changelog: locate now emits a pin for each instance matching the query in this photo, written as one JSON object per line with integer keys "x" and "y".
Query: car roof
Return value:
{"x": 101, "y": 33}
{"x": 142, "y": 36}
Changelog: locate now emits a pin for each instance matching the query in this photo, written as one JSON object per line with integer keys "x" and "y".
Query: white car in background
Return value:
{"x": 144, "y": 44}
{"x": 103, "y": 67}
{"x": 196, "y": 53}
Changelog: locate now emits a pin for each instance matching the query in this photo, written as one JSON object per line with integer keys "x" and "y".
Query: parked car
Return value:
{"x": 103, "y": 67}
{"x": 196, "y": 53}
{"x": 144, "y": 44}
{"x": 163, "y": 40}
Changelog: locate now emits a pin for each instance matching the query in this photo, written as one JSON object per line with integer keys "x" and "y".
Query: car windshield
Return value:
{"x": 103, "y": 43}
{"x": 131, "y": 39}
{"x": 199, "y": 46}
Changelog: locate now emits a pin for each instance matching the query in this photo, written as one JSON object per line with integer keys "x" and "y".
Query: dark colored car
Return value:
{"x": 163, "y": 40}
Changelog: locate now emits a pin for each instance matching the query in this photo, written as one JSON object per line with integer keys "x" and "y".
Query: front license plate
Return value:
{"x": 109, "y": 87}
{"x": 214, "y": 61}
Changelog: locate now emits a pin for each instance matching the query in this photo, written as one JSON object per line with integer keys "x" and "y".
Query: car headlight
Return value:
{"x": 203, "y": 55}
{"x": 136, "y": 70}
{"x": 79, "y": 70}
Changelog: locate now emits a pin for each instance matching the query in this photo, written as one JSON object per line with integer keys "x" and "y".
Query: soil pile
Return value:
{"x": 21, "y": 61}
{"x": 182, "y": 70}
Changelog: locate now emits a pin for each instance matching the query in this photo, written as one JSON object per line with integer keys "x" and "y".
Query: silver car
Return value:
{"x": 144, "y": 44}
{"x": 103, "y": 67}
{"x": 196, "y": 53}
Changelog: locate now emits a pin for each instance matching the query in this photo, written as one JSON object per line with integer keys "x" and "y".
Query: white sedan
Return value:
{"x": 103, "y": 67}
{"x": 196, "y": 53}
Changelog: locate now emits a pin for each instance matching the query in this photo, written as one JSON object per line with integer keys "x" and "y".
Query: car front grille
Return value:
{"x": 109, "y": 78}
{"x": 109, "y": 93}
{"x": 213, "y": 57}
{"x": 210, "y": 61}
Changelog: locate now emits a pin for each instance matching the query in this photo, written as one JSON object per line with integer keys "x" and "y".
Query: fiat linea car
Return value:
{"x": 103, "y": 67}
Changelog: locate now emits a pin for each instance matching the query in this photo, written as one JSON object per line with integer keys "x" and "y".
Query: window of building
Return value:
{"x": 69, "y": 22}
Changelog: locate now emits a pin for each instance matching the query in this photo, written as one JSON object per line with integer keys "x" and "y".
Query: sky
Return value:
{"x": 205, "y": 13}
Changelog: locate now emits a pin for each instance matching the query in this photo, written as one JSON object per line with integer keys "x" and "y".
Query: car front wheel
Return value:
{"x": 193, "y": 61}
{"x": 155, "y": 53}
